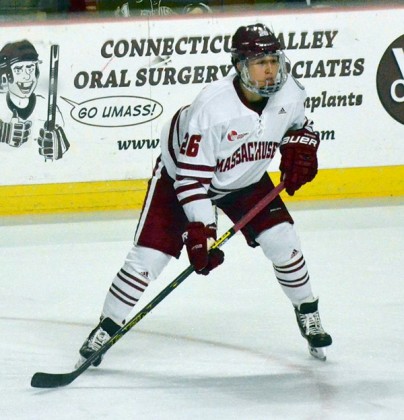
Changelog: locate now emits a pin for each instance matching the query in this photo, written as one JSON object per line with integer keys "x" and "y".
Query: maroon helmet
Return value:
{"x": 252, "y": 42}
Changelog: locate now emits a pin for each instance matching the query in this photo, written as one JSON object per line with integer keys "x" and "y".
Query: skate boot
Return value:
{"x": 308, "y": 319}
{"x": 97, "y": 338}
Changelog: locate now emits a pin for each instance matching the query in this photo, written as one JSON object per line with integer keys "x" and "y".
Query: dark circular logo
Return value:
{"x": 390, "y": 79}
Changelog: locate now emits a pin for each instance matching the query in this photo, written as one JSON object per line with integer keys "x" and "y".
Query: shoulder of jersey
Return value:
{"x": 214, "y": 103}
{"x": 215, "y": 90}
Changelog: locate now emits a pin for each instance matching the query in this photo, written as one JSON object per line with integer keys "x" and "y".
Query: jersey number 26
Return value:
{"x": 190, "y": 145}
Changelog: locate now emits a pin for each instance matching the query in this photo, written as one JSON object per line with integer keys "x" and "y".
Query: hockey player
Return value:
{"x": 217, "y": 150}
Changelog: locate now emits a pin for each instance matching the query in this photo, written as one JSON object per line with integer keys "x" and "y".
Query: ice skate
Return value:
{"x": 97, "y": 338}
{"x": 308, "y": 319}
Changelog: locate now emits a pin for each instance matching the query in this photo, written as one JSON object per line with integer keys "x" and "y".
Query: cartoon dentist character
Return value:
{"x": 25, "y": 115}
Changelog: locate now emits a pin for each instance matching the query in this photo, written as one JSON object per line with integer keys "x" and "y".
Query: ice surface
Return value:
{"x": 222, "y": 347}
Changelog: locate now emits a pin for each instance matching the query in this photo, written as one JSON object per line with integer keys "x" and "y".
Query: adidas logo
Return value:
{"x": 282, "y": 111}
{"x": 295, "y": 252}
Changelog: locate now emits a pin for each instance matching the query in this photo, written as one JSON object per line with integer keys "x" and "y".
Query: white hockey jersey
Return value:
{"x": 218, "y": 144}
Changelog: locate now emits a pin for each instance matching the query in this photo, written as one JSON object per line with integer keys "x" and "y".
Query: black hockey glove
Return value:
{"x": 15, "y": 133}
{"x": 53, "y": 144}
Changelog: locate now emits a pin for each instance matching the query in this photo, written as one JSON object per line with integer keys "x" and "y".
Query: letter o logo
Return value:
{"x": 390, "y": 79}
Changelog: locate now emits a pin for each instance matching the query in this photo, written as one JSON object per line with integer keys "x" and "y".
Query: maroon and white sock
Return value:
{"x": 294, "y": 278}
{"x": 125, "y": 291}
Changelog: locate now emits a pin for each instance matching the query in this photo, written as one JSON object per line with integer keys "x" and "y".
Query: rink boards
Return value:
{"x": 126, "y": 195}
{"x": 119, "y": 81}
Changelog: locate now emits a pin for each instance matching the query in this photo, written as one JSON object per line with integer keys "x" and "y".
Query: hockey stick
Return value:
{"x": 54, "y": 380}
{"x": 53, "y": 87}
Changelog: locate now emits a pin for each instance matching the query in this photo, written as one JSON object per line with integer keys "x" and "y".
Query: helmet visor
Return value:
{"x": 264, "y": 73}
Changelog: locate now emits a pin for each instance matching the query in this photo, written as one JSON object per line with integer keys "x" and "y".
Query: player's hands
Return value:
{"x": 198, "y": 238}
{"x": 16, "y": 132}
{"x": 53, "y": 144}
{"x": 299, "y": 158}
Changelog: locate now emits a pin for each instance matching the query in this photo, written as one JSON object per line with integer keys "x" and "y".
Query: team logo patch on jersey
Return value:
{"x": 233, "y": 135}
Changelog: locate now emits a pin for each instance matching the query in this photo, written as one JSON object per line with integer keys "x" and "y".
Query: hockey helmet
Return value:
{"x": 15, "y": 52}
{"x": 18, "y": 51}
{"x": 253, "y": 42}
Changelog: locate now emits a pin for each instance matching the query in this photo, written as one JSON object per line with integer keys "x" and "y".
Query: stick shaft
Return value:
{"x": 53, "y": 85}
{"x": 49, "y": 380}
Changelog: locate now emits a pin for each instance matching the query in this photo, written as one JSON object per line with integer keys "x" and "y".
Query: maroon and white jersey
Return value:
{"x": 219, "y": 144}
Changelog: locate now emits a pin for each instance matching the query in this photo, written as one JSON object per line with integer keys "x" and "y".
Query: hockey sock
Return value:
{"x": 141, "y": 266}
{"x": 294, "y": 278}
{"x": 125, "y": 291}
{"x": 281, "y": 245}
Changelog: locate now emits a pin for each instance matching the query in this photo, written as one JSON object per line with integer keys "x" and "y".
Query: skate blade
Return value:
{"x": 318, "y": 353}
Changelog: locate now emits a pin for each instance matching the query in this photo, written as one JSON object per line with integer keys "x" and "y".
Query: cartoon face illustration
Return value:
{"x": 24, "y": 114}
{"x": 19, "y": 68}
{"x": 23, "y": 79}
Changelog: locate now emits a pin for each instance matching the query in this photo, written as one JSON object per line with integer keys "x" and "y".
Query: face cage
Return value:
{"x": 267, "y": 90}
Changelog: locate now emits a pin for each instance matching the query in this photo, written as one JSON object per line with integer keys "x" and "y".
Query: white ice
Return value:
{"x": 222, "y": 347}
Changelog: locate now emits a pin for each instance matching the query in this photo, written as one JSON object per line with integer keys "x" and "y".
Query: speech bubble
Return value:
{"x": 115, "y": 111}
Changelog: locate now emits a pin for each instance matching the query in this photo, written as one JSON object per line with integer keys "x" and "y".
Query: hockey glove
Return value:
{"x": 53, "y": 144}
{"x": 15, "y": 133}
{"x": 197, "y": 239}
{"x": 299, "y": 158}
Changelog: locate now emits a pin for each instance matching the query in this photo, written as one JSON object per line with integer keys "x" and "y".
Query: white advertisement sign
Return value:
{"x": 85, "y": 101}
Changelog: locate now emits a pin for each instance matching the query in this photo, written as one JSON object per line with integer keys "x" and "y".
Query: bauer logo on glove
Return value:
{"x": 299, "y": 158}
{"x": 301, "y": 137}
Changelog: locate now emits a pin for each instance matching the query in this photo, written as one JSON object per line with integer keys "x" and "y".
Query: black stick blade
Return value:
{"x": 52, "y": 380}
